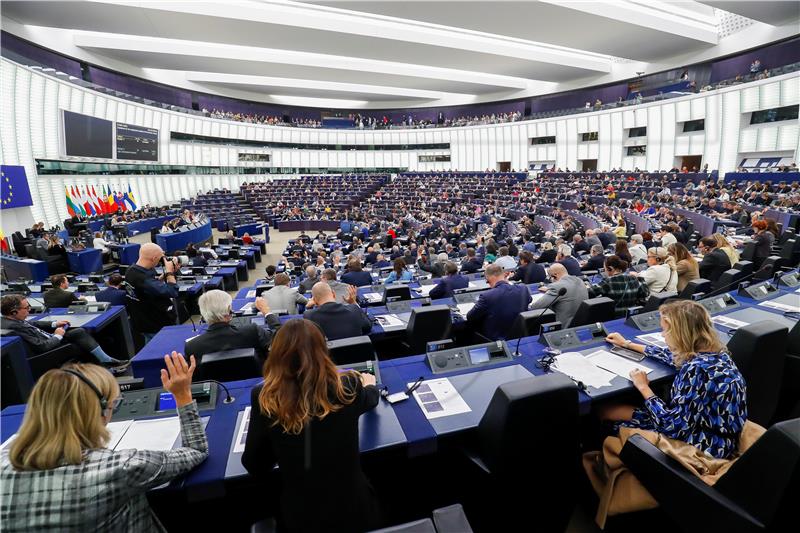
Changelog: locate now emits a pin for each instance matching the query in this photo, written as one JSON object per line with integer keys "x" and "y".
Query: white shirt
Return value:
{"x": 667, "y": 239}
{"x": 660, "y": 277}
{"x": 638, "y": 252}
{"x": 165, "y": 229}
{"x": 100, "y": 244}
{"x": 507, "y": 262}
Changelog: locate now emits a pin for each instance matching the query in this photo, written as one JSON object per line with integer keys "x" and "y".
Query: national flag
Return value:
{"x": 72, "y": 209}
{"x": 120, "y": 201}
{"x": 97, "y": 203}
{"x": 78, "y": 203}
{"x": 87, "y": 204}
{"x": 129, "y": 198}
{"x": 110, "y": 203}
{"x": 4, "y": 243}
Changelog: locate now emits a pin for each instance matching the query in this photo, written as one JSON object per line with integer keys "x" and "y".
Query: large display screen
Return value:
{"x": 86, "y": 136}
{"x": 137, "y": 142}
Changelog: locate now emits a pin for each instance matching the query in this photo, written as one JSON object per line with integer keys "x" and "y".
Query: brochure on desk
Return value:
{"x": 378, "y": 428}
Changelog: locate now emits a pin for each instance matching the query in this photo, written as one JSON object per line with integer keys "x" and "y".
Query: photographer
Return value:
{"x": 154, "y": 306}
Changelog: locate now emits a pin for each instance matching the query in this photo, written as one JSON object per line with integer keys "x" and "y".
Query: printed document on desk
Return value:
{"x": 465, "y": 308}
{"x": 439, "y": 398}
{"x": 241, "y": 434}
{"x": 390, "y": 321}
{"x": 727, "y": 322}
{"x": 579, "y": 368}
{"x": 616, "y": 364}
{"x": 159, "y": 434}
{"x": 781, "y": 306}
{"x": 373, "y": 297}
{"x": 653, "y": 339}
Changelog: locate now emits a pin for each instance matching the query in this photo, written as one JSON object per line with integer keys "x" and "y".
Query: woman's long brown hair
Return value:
{"x": 301, "y": 381}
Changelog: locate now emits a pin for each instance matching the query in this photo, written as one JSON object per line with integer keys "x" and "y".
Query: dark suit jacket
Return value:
{"x": 582, "y": 246}
{"x": 111, "y": 295}
{"x": 339, "y": 321}
{"x": 497, "y": 309}
{"x": 547, "y": 256}
{"x": 222, "y": 336}
{"x": 595, "y": 262}
{"x": 572, "y": 265}
{"x": 470, "y": 267}
{"x": 26, "y": 330}
{"x": 59, "y": 298}
{"x": 714, "y": 265}
{"x": 530, "y": 273}
{"x": 381, "y": 264}
{"x": 322, "y": 463}
{"x": 436, "y": 269}
{"x": 359, "y": 279}
{"x": 445, "y": 288}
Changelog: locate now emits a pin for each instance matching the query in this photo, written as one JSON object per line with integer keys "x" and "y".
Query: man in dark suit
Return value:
{"x": 528, "y": 270}
{"x": 381, "y": 262}
{"x": 449, "y": 283}
{"x": 596, "y": 261}
{"x": 59, "y": 296}
{"x": 337, "y": 320}
{"x": 471, "y": 263}
{"x": 607, "y": 237}
{"x": 355, "y": 275}
{"x": 215, "y": 308}
{"x": 371, "y": 256}
{"x": 41, "y": 336}
{"x": 570, "y": 263}
{"x": 579, "y": 245}
{"x": 715, "y": 261}
{"x": 114, "y": 294}
{"x": 496, "y": 310}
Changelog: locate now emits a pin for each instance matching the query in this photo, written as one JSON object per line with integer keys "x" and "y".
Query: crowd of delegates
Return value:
{"x": 444, "y": 225}
{"x": 255, "y": 118}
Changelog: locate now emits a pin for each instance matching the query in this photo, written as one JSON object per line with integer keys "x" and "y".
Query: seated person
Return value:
{"x": 61, "y": 447}
{"x": 707, "y": 406}
{"x": 381, "y": 262}
{"x": 715, "y": 261}
{"x": 59, "y": 296}
{"x": 269, "y": 274}
{"x": 505, "y": 260}
{"x": 341, "y": 290}
{"x": 311, "y": 279}
{"x": 548, "y": 254}
{"x": 436, "y": 268}
{"x": 596, "y": 259}
{"x": 567, "y": 304}
{"x": 283, "y": 297}
{"x": 99, "y": 243}
{"x": 451, "y": 281}
{"x": 281, "y": 432}
{"x": 528, "y": 271}
{"x": 355, "y": 275}
{"x": 196, "y": 257}
{"x": 247, "y": 239}
{"x": 114, "y": 293}
{"x": 399, "y": 273}
{"x": 471, "y": 263}
{"x": 565, "y": 258}
{"x": 496, "y": 309}
{"x": 215, "y": 308}
{"x": 626, "y": 290}
{"x": 661, "y": 274}
{"x": 41, "y": 336}
{"x": 337, "y": 320}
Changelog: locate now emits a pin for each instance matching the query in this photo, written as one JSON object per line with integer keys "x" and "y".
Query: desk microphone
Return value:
{"x": 228, "y": 397}
{"x": 561, "y": 292}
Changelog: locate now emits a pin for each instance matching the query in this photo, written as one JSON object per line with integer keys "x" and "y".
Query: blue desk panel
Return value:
{"x": 23, "y": 268}
{"x": 128, "y": 253}
{"x": 87, "y": 261}
{"x": 147, "y": 364}
{"x": 169, "y": 242}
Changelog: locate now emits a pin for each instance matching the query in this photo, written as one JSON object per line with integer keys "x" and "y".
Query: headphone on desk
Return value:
{"x": 103, "y": 399}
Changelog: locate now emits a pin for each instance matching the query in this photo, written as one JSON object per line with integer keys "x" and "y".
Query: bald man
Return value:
{"x": 567, "y": 305}
{"x": 155, "y": 294}
{"x": 337, "y": 320}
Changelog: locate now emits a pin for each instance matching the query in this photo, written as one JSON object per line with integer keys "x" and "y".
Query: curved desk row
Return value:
{"x": 169, "y": 242}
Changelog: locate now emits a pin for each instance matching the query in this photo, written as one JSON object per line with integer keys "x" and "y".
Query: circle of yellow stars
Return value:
{"x": 7, "y": 200}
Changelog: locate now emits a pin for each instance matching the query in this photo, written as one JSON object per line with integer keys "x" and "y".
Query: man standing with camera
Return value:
{"x": 155, "y": 296}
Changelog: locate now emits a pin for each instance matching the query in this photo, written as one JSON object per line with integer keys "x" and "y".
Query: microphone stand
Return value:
{"x": 561, "y": 292}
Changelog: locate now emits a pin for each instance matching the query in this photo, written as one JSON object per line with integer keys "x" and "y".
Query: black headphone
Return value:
{"x": 103, "y": 400}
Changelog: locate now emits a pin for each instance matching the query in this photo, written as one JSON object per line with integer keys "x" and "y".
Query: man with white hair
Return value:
{"x": 311, "y": 279}
{"x": 636, "y": 248}
{"x": 591, "y": 238}
{"x": 564, "y": 257}
{"x": 221, "y": 335}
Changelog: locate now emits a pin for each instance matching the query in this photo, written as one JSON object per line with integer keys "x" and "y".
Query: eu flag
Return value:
{"x": 14, "y": 191}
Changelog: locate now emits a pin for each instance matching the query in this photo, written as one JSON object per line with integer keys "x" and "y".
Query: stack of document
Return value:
{"x": 373, "y": 297}
{"x": 727, "y": 322}
{"x": 579, "y": 368}
{"x": 616, "y": 364}
{"x": 536, "y": 297}
{"x": 654, "y": 339}
{"x": 390, "y": 321}
{"x": 465, "y": 308}
{"x": 782, "y": 307}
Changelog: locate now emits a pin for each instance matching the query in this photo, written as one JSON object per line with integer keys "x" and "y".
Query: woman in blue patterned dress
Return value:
{"x": 707, "y": 405}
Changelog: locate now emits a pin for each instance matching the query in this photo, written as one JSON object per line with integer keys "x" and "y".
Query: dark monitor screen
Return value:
{"x": 479, "y": 355}
{"x": 86, "y": 136}
{"x": 137, "y": 142}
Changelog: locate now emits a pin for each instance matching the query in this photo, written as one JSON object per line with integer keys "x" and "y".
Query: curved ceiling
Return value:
{"x": 382, "y": 54}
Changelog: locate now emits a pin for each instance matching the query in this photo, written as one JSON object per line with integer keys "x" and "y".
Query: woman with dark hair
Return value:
{"x": 647, "y": 239}
{"x": 400, "y": 272}
{"x": 305, "y": 418}
{"x": 626, "y": 290}
{"x": 621, "y": 251}
{"x": 772, "y": 227}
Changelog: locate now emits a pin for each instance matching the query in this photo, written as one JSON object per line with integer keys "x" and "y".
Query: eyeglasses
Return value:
{"x": 116, "y": 403}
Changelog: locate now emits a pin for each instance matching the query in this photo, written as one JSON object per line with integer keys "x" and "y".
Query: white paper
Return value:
{"x": 241, "y": 434}
{"x": 653, "y": 339}
{"x": 536, "y": 297}
{"x": 388, "y": 321}
{"x": 465, "y": 308}
{"x": 248, "y": 306}
{"x": 159, "y": 435}
{"x": 117, "y": 430}
{"x": 782, "y": 307}
{"x": 439, "y": 398}
{"x": 373, "y": 297}
{"x": 616, "y": 364}
{"x": 728, "y": 322}
{"x": 251, "y": 294}
{"x": 89, "y": 298}
{"x": 581, "y": 369}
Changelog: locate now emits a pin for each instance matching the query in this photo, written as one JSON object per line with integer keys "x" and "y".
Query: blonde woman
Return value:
{"x": 661, "y": 275}
{"x": 725, "y": 246}
{"x": 707, "y": 407}
{"x": 59, "y": 462}
{"x": 685, "y": 265}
